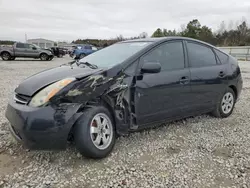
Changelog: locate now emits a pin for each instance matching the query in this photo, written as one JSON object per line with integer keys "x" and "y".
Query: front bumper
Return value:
{"x": 42, "y": 128}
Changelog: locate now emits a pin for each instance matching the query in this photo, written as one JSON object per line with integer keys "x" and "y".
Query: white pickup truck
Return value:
{"x": 25, "y": 50}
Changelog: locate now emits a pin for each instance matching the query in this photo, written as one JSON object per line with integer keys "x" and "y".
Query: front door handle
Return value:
{"x": 221, "y": 74}
{"x": 184, "y": 80}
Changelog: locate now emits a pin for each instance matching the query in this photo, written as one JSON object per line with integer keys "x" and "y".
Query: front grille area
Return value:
{"x": 21, "y": 99}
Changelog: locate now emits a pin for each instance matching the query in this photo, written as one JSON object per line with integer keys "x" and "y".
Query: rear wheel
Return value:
{"x": 44, "y": 57}
{"x": 226, "y": 104}
{"x": 6, "y": 56}
{"x": 94, "y": 132}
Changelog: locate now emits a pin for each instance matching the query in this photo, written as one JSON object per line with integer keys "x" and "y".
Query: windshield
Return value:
{"x": 114, "y": 54}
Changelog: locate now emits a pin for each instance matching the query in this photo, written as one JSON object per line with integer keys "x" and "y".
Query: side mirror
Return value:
{"x": 34, "y": 48}
{"x": 151, "y": 67}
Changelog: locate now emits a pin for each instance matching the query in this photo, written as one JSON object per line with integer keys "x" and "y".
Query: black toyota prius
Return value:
{"x": 126, "y": 87}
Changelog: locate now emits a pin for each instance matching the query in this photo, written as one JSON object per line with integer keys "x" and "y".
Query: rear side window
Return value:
{"x": 20, "y": 45}
{"x": 222, "y": 57}
{"x": 88, "y": 47}
{"x": 170, "y": 55}
{"x": 200, "y": 55}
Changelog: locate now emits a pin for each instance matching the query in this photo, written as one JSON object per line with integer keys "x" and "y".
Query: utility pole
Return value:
{"x": 26, "y": 38}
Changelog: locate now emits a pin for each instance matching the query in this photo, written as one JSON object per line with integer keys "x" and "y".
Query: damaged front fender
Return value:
{"x": 101, "y": 89}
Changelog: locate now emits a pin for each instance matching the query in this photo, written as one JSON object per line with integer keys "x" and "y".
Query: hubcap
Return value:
{"x": 101, "y": 131}
{"x": 5, "y": 56}
{"x": 43, "y": 57}
{"x": 227, "y": 103}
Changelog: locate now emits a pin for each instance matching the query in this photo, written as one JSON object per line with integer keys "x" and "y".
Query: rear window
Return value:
{"x": 200, "y": 55}
{"x": 20, "y": 45}
{"x": 222, "y": 57}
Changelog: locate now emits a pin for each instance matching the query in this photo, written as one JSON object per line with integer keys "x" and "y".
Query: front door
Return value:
{"x": 208, "y": 76}
{"x": 88, "y": 50}
{"x": 31, "y": 51}
{"x": 163, "y": 95}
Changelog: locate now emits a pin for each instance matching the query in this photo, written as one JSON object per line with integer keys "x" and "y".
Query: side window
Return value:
{"x": 20, "y": 45}
{"x": 170, "y": 55}
{"x": 200, "y": 55}
{"x": 88, "y": 47}
{"x": 222, "y": 57}
{"x": 29, "y": 46}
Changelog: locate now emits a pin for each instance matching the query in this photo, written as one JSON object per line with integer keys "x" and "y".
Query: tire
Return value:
{"x": 44, "y": 57}
{"x": 225, "y": 105}
{"x": 6, "y": 56}
{"x": 82, "y": 56}
{"x": 88, "y": 133}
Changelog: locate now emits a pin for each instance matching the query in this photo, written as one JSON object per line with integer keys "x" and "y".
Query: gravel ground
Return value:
{"x": 195, "y": 152}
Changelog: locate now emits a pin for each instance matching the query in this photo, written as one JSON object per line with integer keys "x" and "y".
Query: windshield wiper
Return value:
{"x": 92, "y": 66}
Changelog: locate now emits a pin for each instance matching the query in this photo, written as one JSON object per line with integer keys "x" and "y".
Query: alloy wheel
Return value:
{"x": 6, "y": 56}
{"x": 101, "y": 131}
{"x": 43, "y": 57}
{"x": 227, "y": 103}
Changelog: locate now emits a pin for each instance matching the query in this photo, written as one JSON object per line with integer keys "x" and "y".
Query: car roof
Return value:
{"x": 163, "y": 39}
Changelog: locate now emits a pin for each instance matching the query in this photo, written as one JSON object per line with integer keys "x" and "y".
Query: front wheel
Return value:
{"x": 225, "y": 106}
{"x": 94, "y": 132}
{"x": 82, "y": 56}
{"x": 44, "y": 57}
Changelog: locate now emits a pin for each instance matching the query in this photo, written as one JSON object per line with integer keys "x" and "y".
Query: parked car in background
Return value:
{"x": 25, "y": 50}
{"x": 83, "y": 50}
{"x": 125, "y": 87}
{"x": 58, "y": 52}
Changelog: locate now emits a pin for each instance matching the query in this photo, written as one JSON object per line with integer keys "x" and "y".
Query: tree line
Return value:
{"x": 6, "y": 42}
{"x": 107, "y": 42}
{"x": 238, "y": 36}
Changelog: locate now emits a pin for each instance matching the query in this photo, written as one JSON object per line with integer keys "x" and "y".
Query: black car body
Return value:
{"x": 58, "y": 52}
{"x": 165, "y": 79}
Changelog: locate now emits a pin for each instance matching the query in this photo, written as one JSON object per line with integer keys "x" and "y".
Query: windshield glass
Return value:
{"x": 114, "y": 54}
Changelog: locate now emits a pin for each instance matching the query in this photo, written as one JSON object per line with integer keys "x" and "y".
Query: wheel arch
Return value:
{"x": 43, "y": 53}
{"x": 5, "y": 52}
{"x": 234, "y": 88}
{"x": 104, "y": 101}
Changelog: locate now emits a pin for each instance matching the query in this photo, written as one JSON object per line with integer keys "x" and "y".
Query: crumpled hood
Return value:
{"x": 34, "y": 83}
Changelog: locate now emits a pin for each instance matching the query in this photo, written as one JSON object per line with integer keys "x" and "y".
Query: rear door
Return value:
{"x": 20, "y": 50}
{"x": 208, "y": 75}
{"x": 163, "y": 95}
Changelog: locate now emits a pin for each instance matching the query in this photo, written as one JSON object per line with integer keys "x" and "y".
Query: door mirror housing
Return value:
{"x": 151, "y": 67}
{"x": 34, "y": 48}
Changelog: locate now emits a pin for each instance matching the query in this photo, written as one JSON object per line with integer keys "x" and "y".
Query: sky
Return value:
{"x": 67, "y": 20}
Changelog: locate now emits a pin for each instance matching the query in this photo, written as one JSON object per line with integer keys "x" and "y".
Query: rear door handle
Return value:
{"x": 184, "y": 80}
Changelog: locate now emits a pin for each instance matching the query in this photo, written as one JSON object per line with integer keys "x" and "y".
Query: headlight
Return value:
{"x": 48, "y": 92}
